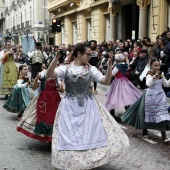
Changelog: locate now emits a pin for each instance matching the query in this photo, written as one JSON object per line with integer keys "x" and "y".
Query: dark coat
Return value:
{"x": 141, "y": 64}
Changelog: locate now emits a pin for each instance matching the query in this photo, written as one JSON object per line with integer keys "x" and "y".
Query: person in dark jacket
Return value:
{"x": 132, "y": 65}
{"x": 166, "y": 51}
{"x": 144, "y": 58}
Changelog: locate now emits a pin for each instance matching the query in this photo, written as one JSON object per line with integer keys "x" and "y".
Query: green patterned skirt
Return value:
{"x": 18, "y": 100}
{"x": 135, "y": 116}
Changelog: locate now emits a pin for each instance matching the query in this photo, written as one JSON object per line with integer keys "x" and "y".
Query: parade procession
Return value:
{"x": 85, "y": 84}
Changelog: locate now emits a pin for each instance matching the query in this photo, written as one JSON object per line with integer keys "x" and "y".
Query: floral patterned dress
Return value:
{"x": 85, "y": 135}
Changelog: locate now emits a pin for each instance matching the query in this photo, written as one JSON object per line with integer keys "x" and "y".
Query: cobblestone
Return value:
{"x": 19, "y": 152}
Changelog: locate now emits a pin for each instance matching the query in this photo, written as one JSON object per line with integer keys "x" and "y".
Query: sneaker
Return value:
{"x": 165, "y": 139}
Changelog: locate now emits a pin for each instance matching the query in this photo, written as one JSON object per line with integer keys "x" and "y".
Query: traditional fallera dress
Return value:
{"x": 85, "y": 135}
{"x": 19, "y": 98}
{"x": 38, "y": 119}
{"x": 150, "y": 111}
{"x": 8, "y": 75}
{"x": 122, "y": 92}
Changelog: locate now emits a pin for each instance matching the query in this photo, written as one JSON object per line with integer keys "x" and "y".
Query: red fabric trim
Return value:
{"x": 33, "y": 136}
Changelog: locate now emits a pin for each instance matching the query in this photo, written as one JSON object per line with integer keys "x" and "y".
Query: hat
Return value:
{"x": 144, "y": 51}
{"x": 119, "y": 57}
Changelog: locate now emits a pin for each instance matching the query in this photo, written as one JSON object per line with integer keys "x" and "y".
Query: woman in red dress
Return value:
{"x": 38, "y": 119}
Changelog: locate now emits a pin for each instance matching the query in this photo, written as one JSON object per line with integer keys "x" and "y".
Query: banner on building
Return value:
{"x": 28, "y": 43}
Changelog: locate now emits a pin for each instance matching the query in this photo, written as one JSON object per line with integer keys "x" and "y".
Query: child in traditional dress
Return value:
{"x": 150, "y": 111}
{"x": 20, "y": 97}
{"x": 38, "y": 119}
{"x": 122, "y": 92}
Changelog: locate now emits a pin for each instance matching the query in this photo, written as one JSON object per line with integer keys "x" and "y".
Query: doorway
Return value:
{"x": 130, "y": 20}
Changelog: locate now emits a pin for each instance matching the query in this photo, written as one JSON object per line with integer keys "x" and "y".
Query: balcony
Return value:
{"x": 18, "y": 27}
{"x": 7, "y": 31}
{"x": 22, "y": 25}
{"x": 7, "y": 11}
{"x": 23, "y": 1}
{"x": 2, "y": 15}
{"x": 28, "y": 24}
{"x": 54, "y": 5}
{"x": 14, "y": 5}
{"x": 19, "y": 2}
{"x": 13, "y": 29}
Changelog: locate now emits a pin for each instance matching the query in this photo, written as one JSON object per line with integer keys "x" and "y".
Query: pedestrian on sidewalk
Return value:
{"x": 20, "y": 97}
{"x": 38, "y": 119}
{"x": 122, "y": 92}
{"x": 8, "y": 71}
{"x": 150, "y": 111}
{"x": 85, "y": 135}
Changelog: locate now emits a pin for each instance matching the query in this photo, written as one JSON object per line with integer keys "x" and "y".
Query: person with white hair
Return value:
{"x": 122, "y": 92}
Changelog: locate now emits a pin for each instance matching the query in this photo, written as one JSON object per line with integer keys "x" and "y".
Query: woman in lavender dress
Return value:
{"x": 122, "y": 92}
{"x": 150, "y": 111}
{"x": 85, "y": 135}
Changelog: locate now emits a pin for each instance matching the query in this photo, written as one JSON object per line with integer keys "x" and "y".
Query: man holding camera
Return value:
{"x": 37, "y": 56}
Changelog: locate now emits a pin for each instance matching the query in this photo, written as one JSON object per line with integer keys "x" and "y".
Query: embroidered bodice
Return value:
{"x": 119, "y": 75}
{"x": 78, "y": 86}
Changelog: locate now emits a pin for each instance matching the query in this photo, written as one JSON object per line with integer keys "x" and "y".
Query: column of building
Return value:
{"x": 113, "y": 9}
{"x": 143, "y": 4}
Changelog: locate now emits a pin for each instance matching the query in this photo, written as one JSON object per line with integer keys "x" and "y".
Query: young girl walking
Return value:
{"x": 122, "y": 92}
{"x": 20, "y": 97}
{"x": 150, "y": 111}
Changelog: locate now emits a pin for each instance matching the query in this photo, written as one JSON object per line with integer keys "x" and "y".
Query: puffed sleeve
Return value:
{"x": 166, "y": 82}
{"x": 30, "y": 54}
{"x": 61, "y": 71}
{"x": 114, "y": 71}
{"x": 149, "y": 80}
{"x": 96, "y": 75}
{"x": 19, "y": 83}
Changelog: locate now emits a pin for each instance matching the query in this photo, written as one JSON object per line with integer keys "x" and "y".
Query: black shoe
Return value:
{"x": 165, "y": 139}
{"x": 127, "y": 107}
{"x": 112, "y": 112}
{"x": 6, "y": 97}
{"x": 145, "y": 134}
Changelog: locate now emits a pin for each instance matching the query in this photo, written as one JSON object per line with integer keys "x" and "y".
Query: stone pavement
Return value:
{"x": 19, "y": 152}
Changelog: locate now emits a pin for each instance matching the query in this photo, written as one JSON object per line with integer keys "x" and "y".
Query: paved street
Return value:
{"x": 19, "y": 152}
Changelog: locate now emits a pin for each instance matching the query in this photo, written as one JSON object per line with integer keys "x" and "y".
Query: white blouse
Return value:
{"x": 75, "y": 70}
{"x": 19, "y": 83}
{"x": 150, "y": 81}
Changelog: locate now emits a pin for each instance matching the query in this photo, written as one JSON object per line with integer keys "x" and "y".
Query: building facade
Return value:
{"x": 105, "y": 20}
{"x": 24, "y": 18}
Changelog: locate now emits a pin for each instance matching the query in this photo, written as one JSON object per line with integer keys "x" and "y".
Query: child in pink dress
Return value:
{"x": 122, "y": 92}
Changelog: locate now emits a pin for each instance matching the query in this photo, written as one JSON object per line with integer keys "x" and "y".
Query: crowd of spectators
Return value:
{"x": 139, "y": 53}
